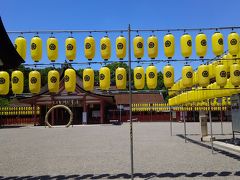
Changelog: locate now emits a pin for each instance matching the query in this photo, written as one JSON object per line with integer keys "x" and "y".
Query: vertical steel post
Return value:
{"x": 170, "y": 112}
{"x": 185, "y": 129}
{"x": 211, "y": 129}
{"x": 130, "y": 100}
{"x": 120, "y": 119}
{"x": 221, "y": 120}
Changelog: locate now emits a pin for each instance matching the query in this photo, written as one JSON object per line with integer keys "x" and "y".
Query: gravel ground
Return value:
{"x": 102, "y": 152}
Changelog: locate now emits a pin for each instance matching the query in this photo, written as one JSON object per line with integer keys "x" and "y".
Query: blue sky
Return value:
{"x": 106, "y": 14}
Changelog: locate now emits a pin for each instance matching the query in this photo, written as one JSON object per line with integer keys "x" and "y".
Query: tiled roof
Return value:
{"x": 139, "y": 98}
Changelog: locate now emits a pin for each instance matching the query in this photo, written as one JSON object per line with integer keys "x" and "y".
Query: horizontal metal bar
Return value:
{"x": 188, "y": 29}
{"x": 122, "y": 30}
{"x": 125, "y": 61}
{"x": 65, "y": 31}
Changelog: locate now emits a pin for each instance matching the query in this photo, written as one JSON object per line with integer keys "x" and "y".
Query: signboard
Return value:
{"x": 84, "y": 117}
{"x": 174, "y": 114}
{"x": 120, "y": 106}
{"x": 95, "y": 113}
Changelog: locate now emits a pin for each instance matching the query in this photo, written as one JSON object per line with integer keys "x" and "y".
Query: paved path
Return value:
{"x": 102, "y": 152}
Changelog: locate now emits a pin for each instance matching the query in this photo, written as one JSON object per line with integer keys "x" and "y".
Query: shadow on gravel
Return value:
{"x": 10, "y": 127}
{"x": 128, "y": 176}
{"x": 226, "y": 153}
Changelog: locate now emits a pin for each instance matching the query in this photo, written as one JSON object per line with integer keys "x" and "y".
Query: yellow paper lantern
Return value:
{"x": 151, "y": 76}
{"x": 36, "y": 48}
{"x": 21, "y": 46}
{"x": 70, "y": 80}
{"x": 88, "y": 79}
{"x": 186, "y": 45}
{"x": 139, "y": 77}
{"x": 221, "y": 75}
{"x": 168, "y": 76}
{"x": 233, "y": 43}
{"x": 53, "y": 81}
{"x": 169, "y": 45}
{"x": 17, "y": 81}
{"x": 201, "y": 45}
{"x": 34, "y": 82}
{"x": 70, "y": 48}
{"x": 138, "y": 47}
{"x": 121, "y": 78}
{"x": 104, "y": 78}
{"x": 4, "y": 83}
{"x": 203, "y": 75}
{"x": 105, "y": 44}
{"x": 187, "y": 76}
{"x": 121, "y": 46}
{"x": 89, "y": 47}
{"x": 52, "y": 49}
{"x": 217, "y": 44}
{"x": 152, "y": 42}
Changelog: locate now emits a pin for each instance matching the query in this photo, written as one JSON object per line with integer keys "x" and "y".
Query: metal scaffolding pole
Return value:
{"x": 130, "y": 100}
{"x": 185, "y": 129}
{"x": 170, "y": 112}
{"x": 211, "y": 129}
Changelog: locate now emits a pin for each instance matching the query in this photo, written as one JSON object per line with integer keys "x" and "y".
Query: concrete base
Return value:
{"x": 227, "y": 146}
{"x": 207, "y": 138}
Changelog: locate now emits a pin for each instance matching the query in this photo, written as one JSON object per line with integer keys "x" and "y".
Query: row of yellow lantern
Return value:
{"x": 150, "y": 107}
{"x": 212, "y": 91}
{"x": 203, "y": 75}
{"x": 19, "y": 110}
{"x": 199, "y": 108}
{"x": 70, "y": 48}
{"x": 187, "y": 81}
{"x": 17, "y": 80}
{"x": 14, "y": 113}
{"x": 186, "y": 45}
{"x": 138, "y": 46}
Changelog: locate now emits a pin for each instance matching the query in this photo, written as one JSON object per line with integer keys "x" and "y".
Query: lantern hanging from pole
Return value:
{"x": 217, "y": 44}
{"x": 201, "y": 45}
{"x": 168, "y": 76}
{"x": 186, "y": 45}
{"x": 89, "y": 47}
{"x": 151, "y": 77}
{"x": 121, "y": 78}
{"x": 138, "y": 47}
{"x": 34, "y": 82}
{"x": 70, "y": 80}
{"x": 221, "y": 75}
{"x": 139, "y": 77}
{"x": 152, "y": 42}
{"x": 169, "y": 45}
{"x": 88, "y": 79}
{"x": 235, "y": 74}
{"x": 52, "y": 49}
{"x": 4, "y": 83}
{"x": 105, "y": 44}
{"x": 53, "y": 81}
{"x": 104, "y": 78}
{"x": 17, "y": 80}
{"x": 21, "y": 46}
{"x": 36, "y": 48}
{"x": 187, "y": 76}
{"x": 70, "y": 48}
{"x": 121, "y": 46}
{"x": 233, "y": 43}
{"x": 203, "y": 75}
